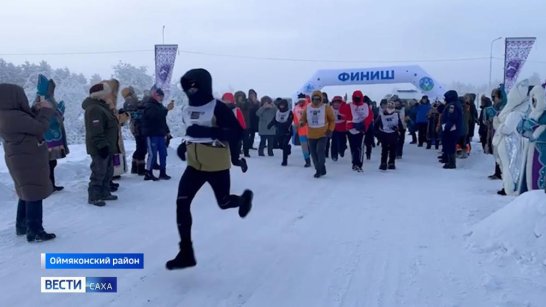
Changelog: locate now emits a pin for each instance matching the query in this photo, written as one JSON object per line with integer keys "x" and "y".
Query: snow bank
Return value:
{"x": 517, "y": 230}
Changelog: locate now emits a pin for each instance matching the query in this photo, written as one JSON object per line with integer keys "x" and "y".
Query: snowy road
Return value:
{"x": 392, "y": 238}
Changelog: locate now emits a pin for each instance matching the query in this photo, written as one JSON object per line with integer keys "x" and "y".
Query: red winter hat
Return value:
{"x": 228, "y": 97}
{"x": 358, "y": 94}
{"x": 337, "y": 98}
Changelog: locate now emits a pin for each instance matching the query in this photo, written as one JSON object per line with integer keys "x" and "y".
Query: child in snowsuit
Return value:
{"x": 283, "y": 121}
{"x": 389, "y": 126}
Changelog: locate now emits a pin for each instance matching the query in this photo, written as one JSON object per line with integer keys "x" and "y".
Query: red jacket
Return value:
{"x": 228, "y": 99}
{"x": 351, "y": 110}
{"x": 341, "y": 121}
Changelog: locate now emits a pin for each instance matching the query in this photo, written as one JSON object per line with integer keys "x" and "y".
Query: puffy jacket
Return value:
{"x": 101, "y": 127}
{"x": 25, "y": 150}
{"x": 348, "y": 110}
{"x": 422, "y": 113}
{"x": 154, "y": 119}
{"x": 229, "y": 100}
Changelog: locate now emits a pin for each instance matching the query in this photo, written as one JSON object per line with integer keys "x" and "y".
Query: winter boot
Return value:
{"x": 323, "y": 171}
{"x": 163, "y": 175}
{"x": 98, "y": 203}
{"x": 307, "y": 162}
{"x": 317, "y": 174}
{"x": 184, "y": 259}
{"x": 20, "y": 230}
{"x": 134, "y": 167}
{"x": 243, "y": 164}
{"x": 391, "y": 166}
{"x": 245, "y": 203}
{"x": 156, "y": 166}
{"x": 110, "y": 197}
{"x": 284, "y": 159}
{"x": 429, "y": 146}
{"x": 368, "y": 156}
{"x": 451, "y": 162}
{"x": 501, "y": 192}
{"x": 288, "y": 149}
{"x": 270, "y": 153}
{"x": 497, "y": 174}
{"x": 150, "y": 176}
{"x": 141, "y": 168}
{"x": 40, "y": 236}
{"x": 383, "y": 167}
{"x": 114, "y": 186}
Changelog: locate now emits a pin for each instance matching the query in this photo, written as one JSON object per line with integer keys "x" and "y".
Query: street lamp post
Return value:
{"x": 491, "y": 59}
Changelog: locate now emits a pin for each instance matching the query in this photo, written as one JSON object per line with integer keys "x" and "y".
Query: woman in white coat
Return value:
{"x": 509, "y": 147}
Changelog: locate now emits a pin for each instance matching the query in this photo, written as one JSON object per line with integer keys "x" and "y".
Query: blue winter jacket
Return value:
{"x": 422, "y": 113}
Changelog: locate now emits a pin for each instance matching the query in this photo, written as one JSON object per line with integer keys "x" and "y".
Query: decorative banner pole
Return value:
{"x": 165, "y": 55}
{"x": 517, "y": 50}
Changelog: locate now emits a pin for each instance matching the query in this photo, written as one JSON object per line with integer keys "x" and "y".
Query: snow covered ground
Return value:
{"x": 417, "y": 236}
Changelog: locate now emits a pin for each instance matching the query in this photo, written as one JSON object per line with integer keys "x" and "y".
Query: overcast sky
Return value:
{"x": 365, "y": 31}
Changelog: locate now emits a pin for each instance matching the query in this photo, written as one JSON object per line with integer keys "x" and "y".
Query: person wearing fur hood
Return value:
{"x": 102, "y": 141}
{"x": 533, "y": 127}
{"x": 508, "y": 145}
{"x": 320, "y": 120}
{"x": 119, "y": 159}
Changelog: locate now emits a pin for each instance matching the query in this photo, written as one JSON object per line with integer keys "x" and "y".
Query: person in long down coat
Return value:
{"x": 27, "y": 157}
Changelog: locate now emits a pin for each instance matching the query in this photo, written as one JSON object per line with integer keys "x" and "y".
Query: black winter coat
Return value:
{"x": 282, "y": 128}
{"x": 154, "y": 119}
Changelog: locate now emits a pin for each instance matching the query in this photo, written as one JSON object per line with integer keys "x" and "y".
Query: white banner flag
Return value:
{"x": 516, "y": 51}
{"x": 165, "y": 56}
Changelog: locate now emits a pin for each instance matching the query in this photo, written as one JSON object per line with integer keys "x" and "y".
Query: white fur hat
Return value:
{"x": 100, "y": 90}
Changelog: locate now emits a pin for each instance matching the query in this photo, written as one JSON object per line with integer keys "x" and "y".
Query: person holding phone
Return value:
{"x": 27, "y": 157}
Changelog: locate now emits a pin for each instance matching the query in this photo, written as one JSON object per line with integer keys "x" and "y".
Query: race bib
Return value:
{"x": 316, "y": 117}
{"x": 201, "y": 115}
{"x": 282, "y": 117}
{"x": 359, "y": 112}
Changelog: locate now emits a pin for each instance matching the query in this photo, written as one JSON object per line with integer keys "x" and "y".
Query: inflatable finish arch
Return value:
{"x": 379, "y": 75}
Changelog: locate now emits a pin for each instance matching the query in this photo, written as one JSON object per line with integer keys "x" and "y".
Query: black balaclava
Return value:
{"x": 201, "y": 80}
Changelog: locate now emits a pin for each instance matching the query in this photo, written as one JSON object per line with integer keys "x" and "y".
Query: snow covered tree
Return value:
{"x": 95, "y": 78}
{"x": 137, "y": 77}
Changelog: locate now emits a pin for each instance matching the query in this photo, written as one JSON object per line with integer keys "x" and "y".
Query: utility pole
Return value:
{"x": 491, "y": 59}
{"x": 163, "y": 32}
